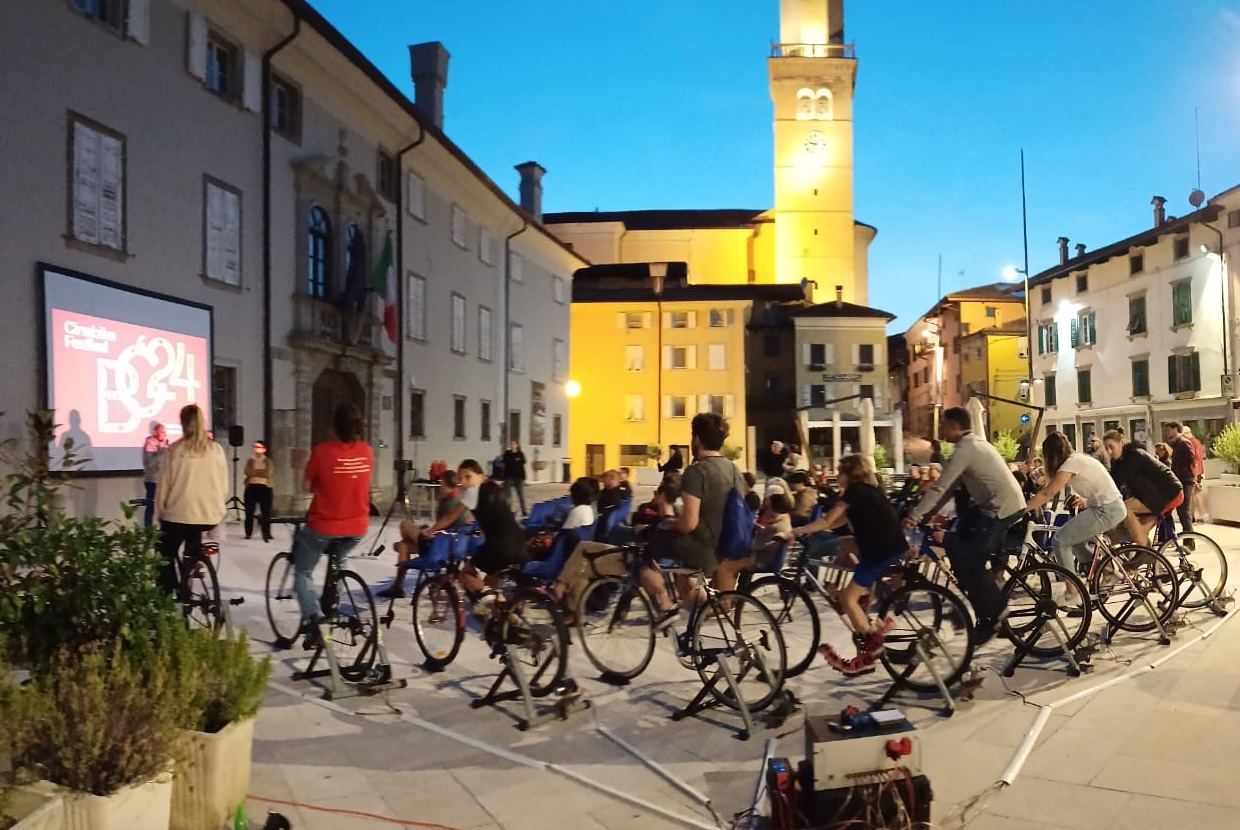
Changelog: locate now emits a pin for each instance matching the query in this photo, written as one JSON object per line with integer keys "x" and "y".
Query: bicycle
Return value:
{"x": 347, "y": 606}
{"x": 1201, "y": 566}
{"x": 751, "y": 662}
{"x": 198, "y": 585}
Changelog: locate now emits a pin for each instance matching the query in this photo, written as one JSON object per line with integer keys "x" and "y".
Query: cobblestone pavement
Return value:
{"x": 1149, "y": 752}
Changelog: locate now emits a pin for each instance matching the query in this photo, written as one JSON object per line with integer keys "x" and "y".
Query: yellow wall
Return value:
{"x": 990, "y": 361}
{"x": 599, "y": 363}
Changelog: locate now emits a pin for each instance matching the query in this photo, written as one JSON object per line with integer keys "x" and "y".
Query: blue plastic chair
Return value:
{"x": 561, "y": 548}
{"x": 614, "y": 519}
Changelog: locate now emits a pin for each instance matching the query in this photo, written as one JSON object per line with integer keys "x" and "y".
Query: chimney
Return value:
{"x": 839, "y": 296}
{"x": 1160, "y": 211}
{"x": 1063, "y": 250}
{"x": 429, "y": 67}
{"x": 531, "y": 188}
{"x": 1080, "y": 250}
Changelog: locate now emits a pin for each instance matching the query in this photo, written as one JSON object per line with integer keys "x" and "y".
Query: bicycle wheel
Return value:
{"x": 796, "y": 615}
{"x": 351, "y": 620}
{"x": 1036, "y": 598}
{"x": 200, "y": 595}
{"x": 1202, "y": 567}
{"x": 615, "y": 622}
{"x": 1135, "y": 586}
{"x": 438, "y": 620}
{"x": 532, "y": 625}
{"x": 738, "y": 630}
{"x": 932, "y": 637}
{"x": 283, "y": 612}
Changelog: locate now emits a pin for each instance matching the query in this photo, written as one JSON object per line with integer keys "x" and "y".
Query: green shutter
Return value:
{"x": 1195, "y": 360}
{"x": 1049, "y": 386}
{"x": 1074, "y": 333}
{"x": 1093, "y": 329}
{"x": 1173, "y": 383}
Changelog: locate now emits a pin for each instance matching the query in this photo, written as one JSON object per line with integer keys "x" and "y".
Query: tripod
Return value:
{"x": 403, "y": 468}
{"x": 234, "y": 503}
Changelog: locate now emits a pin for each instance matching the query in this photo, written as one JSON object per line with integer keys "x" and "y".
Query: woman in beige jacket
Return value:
{"x": 192, "y": 494}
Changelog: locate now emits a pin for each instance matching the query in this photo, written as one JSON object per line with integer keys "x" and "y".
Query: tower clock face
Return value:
{"x": 815, "y": 143}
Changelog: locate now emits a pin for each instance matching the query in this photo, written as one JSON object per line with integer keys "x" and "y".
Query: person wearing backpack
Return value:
{"x": 708, "y": 488}
{"x": 880, "y": 545}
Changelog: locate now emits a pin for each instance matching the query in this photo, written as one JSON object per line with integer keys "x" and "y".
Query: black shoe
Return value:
{"x": 313, "y": 636}
{"x": 247, "y": 537}
{"x": 984, "y": 632}
{"x": 667, "y": 618}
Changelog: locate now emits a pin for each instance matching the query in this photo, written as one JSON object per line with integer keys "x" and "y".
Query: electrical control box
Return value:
{"x": 842, "y": 757}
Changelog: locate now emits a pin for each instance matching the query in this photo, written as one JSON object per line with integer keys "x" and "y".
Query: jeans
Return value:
{"x": 517, "y": 484}
{"x": 307, "y": 548}
{"x": 258, "y": 497}
{"x": 149, "y": 517}
{"x": 1069, "y": 540}
{"x": 977, "y": 539}
{"x": 1185, "y": 510}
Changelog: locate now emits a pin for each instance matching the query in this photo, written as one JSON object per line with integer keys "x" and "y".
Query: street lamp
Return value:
{"x": 572, "y": 389}
{"x": 1010, "y": 274}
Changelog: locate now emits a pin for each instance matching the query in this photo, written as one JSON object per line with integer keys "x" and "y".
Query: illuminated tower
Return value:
{"x": 813, "y": 76}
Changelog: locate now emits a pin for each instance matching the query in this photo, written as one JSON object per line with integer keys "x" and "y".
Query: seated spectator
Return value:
{"x": 503, "y": 543}
{"x": 804, "y": 498}
{"x": 796, "y": 462}
{"x": 450, "y": 514}
{"x": 611, "y": 496}
{"x": 625, "y": 487}
{"x": 752, "y": 500}
{"x": 583, "y": 492}
{"x": 774, "y": 529}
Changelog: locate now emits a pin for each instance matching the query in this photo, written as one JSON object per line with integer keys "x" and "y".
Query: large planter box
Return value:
{"x": 214, "y": 778}
{"x": 1223, "y": 500}
{"x": 144, "y": 807}
{"x": 37, "y": 807}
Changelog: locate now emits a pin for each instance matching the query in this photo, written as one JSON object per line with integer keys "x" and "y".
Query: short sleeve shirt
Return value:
{"x": 339, "y": 474}
{"x": 709, "y": 480}
{"x": 875, "y": 523}
{"x": 1090, "y": 480}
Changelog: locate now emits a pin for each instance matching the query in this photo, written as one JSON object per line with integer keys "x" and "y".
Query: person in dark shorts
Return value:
{"x": 691, "y": 539}
{"x": 880, "y": 545}
{"x": 503, "y": 543}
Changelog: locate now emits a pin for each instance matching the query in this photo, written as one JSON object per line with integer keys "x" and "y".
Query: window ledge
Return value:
{"x": 211, "y": 282}
{"x": 1180, "y": 326}
{"x": 1084, "y": 404}
{"x": 1140, "y": 399}
{"x": 1186, "y": 396}
{"x": 1138, "y": 335}
{"x": 72, "y": 241}
{"x": 1085, "y": 347}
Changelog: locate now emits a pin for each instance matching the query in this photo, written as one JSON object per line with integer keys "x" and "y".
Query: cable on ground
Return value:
{"x": 424, "y": 825}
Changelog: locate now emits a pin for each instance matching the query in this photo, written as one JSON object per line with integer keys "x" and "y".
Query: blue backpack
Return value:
{"x": 736, "y": 532}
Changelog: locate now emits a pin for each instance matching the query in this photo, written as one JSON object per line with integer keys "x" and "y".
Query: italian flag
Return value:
{"x": 383, "y": 283}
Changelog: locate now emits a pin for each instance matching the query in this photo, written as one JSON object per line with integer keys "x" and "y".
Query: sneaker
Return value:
{"x": 863, "y": 663}
{"x": 313, "y": 636}
{"x": 393, "y": 591}
{"x": 875, "y": 639}
{"x": 668, "y": 617}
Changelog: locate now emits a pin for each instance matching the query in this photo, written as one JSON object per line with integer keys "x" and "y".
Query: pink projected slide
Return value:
{"x": 111, "y": 380}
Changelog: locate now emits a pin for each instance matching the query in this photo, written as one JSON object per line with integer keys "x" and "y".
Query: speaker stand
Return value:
{"x": 234, "y": 503}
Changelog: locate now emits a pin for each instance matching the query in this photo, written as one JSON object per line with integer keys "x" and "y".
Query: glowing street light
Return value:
{"x": 572, "y": 388}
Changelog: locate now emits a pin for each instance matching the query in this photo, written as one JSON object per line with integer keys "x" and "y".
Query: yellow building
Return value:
{"x": 935, "y": 370}
{"x": 993, "y": 363}
{"x": 649, "y": 354}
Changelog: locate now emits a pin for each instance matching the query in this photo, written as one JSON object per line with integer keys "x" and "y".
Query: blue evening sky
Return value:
{"x": 665, "y": 104}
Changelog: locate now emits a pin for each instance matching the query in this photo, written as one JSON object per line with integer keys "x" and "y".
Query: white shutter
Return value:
{"x": 805, "y": 395}
{"x": 138, "y": 26}
{"x": 647, "y": 319}
{"x": 830, "y": 350}
{"x": 667, "y": 357}
{"x": 690, "y": 357}
{"x": 252, "y": 84}
{"x": 215, "y": 230}
{"x": 878, "y": 399}
{"x": 111, "y": 192}
{"x": 667, "y": 319}
{"x": 856, "y": 354}
{"x": 691, "y": 319}
{"x": 640, "y": 407}
{"x": 703, "y": 403}
{"x": 232, "y": 238}
{"x": 729, "y": 406}
{"x": 196, "y": 50}
{"x": 85, "y": 184}
{"x": 417, "y": 196}
{"x": 667, "y": 407}
{"x": 805, "y": 359}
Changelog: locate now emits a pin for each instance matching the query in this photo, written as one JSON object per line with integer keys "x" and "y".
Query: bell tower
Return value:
{"x": 813, "y": 74}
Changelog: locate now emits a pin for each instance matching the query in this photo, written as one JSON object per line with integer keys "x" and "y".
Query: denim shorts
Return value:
{"x": 867, "y": 573}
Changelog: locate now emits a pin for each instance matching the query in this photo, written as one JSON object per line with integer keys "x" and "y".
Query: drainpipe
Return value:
{"x": 268, "y": 370}
{"x": 525, "y": 224}
{"x": 399, "y": 261}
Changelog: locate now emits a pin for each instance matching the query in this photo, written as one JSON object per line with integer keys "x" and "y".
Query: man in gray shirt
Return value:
{"x": 996, "y": 503}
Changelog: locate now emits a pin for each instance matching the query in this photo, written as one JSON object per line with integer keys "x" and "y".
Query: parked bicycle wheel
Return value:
{"x": 616, "y": 628}
{"x": 438, "y": 620}
{"x": 532, "y": 625}
{"x": 200, "y": 594}
{"x": 743, "y": 634}
{"x": 352, "y": 625}
{"x": 1039, "y": 606}
{"x": 283, "y": 613}
{"x": 1193, "y": 552}
{"x": 932, "y": 637}
{"x": 796, "y": 615}
{"x": 1136, "y": 588}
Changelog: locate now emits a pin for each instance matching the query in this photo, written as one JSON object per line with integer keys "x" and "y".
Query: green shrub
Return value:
{"x": 98, "y": 719}
{"x": 730, "y": 452}
{"x": 229, "y": 684}
{"x": 1227, "y": 446}
{"x": 1007, "y": 446}
{"x": 880, "y": 457}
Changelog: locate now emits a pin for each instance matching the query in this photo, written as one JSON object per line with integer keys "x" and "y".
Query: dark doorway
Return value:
{"x": 332, "y": 388}
{"x": 596, "y": 460}
{"x": 514, "y": 427}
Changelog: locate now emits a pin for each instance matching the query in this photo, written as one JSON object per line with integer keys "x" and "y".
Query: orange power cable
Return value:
{"x": 357, "y": 814}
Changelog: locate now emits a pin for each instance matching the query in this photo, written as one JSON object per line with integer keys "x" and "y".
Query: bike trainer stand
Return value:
{"x": 705, "y": 698}
{"x": 969, "y": 682}
{"x": 377, "y": 680}
{"x": 1048, "y": 615}
{"x": 569, "y": 697}
{"x": 1137, "y": 598}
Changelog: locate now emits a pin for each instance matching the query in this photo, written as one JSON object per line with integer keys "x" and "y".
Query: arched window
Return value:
{"x": 824, "y": 105}
{"x": 319, "y": 255}
{"x": 805, "y": 104}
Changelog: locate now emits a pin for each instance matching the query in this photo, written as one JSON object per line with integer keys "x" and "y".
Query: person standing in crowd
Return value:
{"x": 259, "y": 472}
{"x": 995, "y": 504}
{"x": 626, "y": 487}
{"x": 1184, "y": 465}
{"x": 338, "y": 475}
{"x": 1098, "y": 451}
{"x": 191, "y": 496}
{"x": 514, "y": 474}
{"x": 1152, "y": 488}
{"x": 1199, "y": 496}
{"x": 773, "y": 460}
{"x": 675, "y": 462}
{"x": 152, "y": 456}
{"x": 796, "y": 462}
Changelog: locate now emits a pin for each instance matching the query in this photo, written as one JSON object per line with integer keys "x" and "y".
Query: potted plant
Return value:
{"x": 1007, "y": 446}
{"x": 38, "y": 806}
{"x": 1223, "y": 496}
{"x": 213, "y": 776}
{"x": 654, "y": 453}
{"x": 731, "y": 452}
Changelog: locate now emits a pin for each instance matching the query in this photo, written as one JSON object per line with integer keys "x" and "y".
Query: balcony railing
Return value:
{"x": 319, "y": 321}
{"x": 813, "y": 50}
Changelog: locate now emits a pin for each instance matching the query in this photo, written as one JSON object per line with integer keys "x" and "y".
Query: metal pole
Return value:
{"x": 1024, "y": 226}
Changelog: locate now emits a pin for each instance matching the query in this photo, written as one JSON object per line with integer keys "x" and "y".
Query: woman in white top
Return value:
{"x": 582, "y": 492}
{"x": 1103, "y": 507}
{"x": 192, "y": 493}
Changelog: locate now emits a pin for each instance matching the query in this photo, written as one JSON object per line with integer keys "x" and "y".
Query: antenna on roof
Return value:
{"x": 1197, "y": 129}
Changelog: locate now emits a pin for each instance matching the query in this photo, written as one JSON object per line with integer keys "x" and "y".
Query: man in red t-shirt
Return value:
{"x": 338, "y": 474}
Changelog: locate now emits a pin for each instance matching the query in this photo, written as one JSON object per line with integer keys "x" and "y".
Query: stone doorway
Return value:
{"x": 332, "y": 388}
